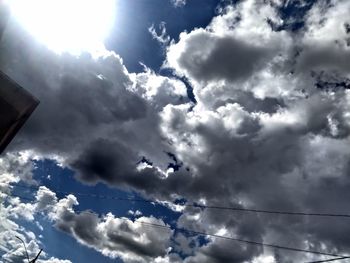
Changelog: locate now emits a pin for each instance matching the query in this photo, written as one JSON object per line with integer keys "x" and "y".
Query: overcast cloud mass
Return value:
{"x": 269, "y": 129}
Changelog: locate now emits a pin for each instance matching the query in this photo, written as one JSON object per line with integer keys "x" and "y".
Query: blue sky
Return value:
{"x": 240, "y": 104}
{"x": 135, "y": 17}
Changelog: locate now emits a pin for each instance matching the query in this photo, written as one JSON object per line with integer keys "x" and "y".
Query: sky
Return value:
{"x": 153, "y": 112}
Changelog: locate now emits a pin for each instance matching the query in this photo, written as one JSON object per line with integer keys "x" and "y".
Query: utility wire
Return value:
{"x": 329, "y": 260}
{"x": 238, "y": 209}
{"x": 241, "y": 240}
{"x": 250, "y": 242}
{"x": 25, "y": 247}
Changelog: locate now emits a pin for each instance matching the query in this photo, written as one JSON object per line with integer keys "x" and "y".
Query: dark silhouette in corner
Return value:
{"x": 16, "y": 104}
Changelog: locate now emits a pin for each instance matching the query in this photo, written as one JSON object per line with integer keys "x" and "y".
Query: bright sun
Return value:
{"x": 70, "y": 26}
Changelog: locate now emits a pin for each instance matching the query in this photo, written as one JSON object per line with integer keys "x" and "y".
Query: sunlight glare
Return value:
{"x": 72, "y": 26}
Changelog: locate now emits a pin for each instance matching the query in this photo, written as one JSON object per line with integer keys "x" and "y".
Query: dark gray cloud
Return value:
{"x": 85, "y": 99}
{"x": 77, "y": 98}
{"x": 115, "y": 164}
{"x": 331, "y": 57}
{"x": 114, "y": 237}
{"x": 208, "y": 57}
{"x": 221, "y": 251}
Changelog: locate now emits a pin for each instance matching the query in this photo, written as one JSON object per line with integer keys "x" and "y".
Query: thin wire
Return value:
{"x": 329, "y": 260}
{"x": 199, "y": 206}
{"x": 25, "y": 247}
{"x": 250, "y": 242}
{"x": 242, "y": 240}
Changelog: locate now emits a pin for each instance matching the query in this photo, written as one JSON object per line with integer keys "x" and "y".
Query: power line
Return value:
{"x": 242, "y": 240}
{"x": 329, "y": 260}
{"x": 25, "y": 247}
{"x": 195, "y": 205}
{"x": 250, "y": 242}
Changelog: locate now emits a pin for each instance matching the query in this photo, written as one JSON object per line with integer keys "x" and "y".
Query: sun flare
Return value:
{"x": 72, "y": 26}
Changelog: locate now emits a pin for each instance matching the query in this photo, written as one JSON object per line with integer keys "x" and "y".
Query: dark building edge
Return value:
{"x": 22, "y": 118}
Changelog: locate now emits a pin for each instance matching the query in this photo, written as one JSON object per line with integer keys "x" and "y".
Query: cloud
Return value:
{"x": 203, "y": 56}
{"x": 45, "y": 199}
{"x": 15, "y": 168}
{"x": 82, "y": 105}
{"x": 178, "y": 3}
{"x": 224, "y": 140}
{"x": 325, "y": 43}
{"x": 54, "y": 260}
{"x": 161, "y": 37}
{"x": 115, "y": 237}
{"x": 136, "y": 213}
{"x": 264, "y": 133}
{"x": 11, "y": 248}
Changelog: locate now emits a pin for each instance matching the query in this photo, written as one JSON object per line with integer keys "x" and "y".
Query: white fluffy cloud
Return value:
{"x": 15, "y": 168}
{"x": 266, "y": 99}
{"x": 132, "y": 241}
{"x": 54, "y": 260}
{"x": 178, "y": 3}
{"x": 114, "y": 237}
